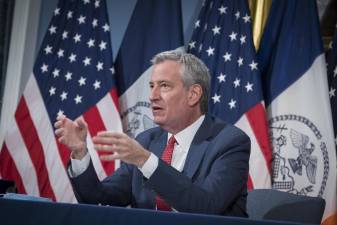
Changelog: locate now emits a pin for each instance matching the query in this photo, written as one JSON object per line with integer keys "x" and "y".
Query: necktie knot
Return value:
{"x": 171, "y": 141}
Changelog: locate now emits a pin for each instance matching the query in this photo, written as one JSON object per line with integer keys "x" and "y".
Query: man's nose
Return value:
{"x": 154, "y": 94}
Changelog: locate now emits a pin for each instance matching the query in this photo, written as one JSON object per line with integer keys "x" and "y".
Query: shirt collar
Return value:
{"x": 185, "y": 137}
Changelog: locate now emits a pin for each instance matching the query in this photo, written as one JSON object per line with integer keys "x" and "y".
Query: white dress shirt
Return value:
{"x": 183, "y": 142}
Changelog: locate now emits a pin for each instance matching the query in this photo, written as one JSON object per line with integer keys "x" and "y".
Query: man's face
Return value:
{"x": 169, "y": 97}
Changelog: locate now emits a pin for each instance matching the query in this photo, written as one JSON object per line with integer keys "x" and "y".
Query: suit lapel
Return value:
{"x": 158, "y": 144}
{"x": 198, "y": 147}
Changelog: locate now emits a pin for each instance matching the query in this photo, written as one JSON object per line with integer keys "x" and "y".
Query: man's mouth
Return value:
{"x": 156, "y": 108}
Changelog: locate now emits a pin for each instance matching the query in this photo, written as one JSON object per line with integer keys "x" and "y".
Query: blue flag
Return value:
{"x": 296, "y": 92}
{"x": 223, "y": 39}
{"x": 155, "y": 26}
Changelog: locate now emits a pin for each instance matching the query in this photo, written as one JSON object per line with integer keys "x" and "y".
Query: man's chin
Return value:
{"x": 158, "y": 121}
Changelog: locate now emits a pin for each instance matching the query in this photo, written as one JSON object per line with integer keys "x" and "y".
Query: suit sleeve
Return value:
{"x": 218, "y": 184}
{"x": 113, "y": 190}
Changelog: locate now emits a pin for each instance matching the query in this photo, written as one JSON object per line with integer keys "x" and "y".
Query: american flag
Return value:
{"x": 332, "y": 78}
{"x": 222, "y": 38}
{"x": 73, "y": 75}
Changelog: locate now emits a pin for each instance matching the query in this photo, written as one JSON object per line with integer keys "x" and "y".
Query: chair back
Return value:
{"x": 277, "y": 205}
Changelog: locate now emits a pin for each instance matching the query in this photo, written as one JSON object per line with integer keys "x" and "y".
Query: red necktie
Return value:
{"x": 166, "y": 157}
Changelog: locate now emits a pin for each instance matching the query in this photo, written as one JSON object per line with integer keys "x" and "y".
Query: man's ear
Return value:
{"x": 194, "y": 95}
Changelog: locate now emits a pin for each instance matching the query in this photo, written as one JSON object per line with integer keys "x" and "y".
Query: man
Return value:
{"x": 208, "y": 170}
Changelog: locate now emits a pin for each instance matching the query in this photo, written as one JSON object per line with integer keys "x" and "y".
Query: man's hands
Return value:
{"x": 116, "y": 145}
{"x": 73, "y": 134}
{"x": 120, "y": 146}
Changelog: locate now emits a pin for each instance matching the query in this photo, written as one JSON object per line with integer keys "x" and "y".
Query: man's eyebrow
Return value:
{"x": 159, "y": 81}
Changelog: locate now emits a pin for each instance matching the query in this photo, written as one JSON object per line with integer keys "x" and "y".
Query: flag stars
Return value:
{"x": 240, "y": 61}
{"x": 70, "y": 14}
{"x": 197, "y": 24}
{"x": 106, "y": 27}
{"x": 112, "y": 69}
{"x": 246, "y": 18}
{"x": 91, "y": 43}
{"x": 77, "y": 38}
{"x": 44, "y": 68}
{"x": 48, "y": 50}
{"x": 335, "y": 72}
{"x": 52, "y": 91}
{"x": 78, "y": 99}
{"x": 52, "y": 29}
{"x": 97, "y": 4}
{"x": 249, "y": 87}
{"x": 56, "y": 72}
{"x": 64, "y": 35}
{"x": 57, "y": 11}
{"x": 233, "y": 35}
{"x": 72, "y": 58}
{"x": 232, "y": 104}
{"x": 237, "y": 15}
{"x": 332, "y": 92}
{"x": 81, "y": 19}
{"x": 94, "y": 23}
{"x": 81, "y": 81}
{"x": 236, "y": 83}
{"x": 86, "y": 2}
{"x": 216, "y": 30}
{"x": 97, "y": 84}
{"x": 192, "y": 44}
{"x": 242, "y": 39}
{"x": 63, "y": 96}
{"x": 222, "y": 77}
{"x": 216, "y": 98}
{"x": 60, "y": 53}
{"x": 210, "y": 51}
{"x": 253, "y": 65}
{"x": 60, "y": 113}
{"x": 68, "y": 76}
{"x": 227, "y": 56}
{"x": 99, "y": 66}
{"x": 102, "y": 45}
{"x": 222, "y": 10}
{"x": 87, "y": 61}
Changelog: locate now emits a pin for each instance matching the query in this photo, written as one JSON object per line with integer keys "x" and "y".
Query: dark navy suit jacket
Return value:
{"x": 213, "y": 179}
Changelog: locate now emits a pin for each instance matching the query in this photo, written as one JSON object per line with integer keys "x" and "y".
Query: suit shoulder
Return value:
{"x": 230, "y": 130}
{"x": 149, "y": 134}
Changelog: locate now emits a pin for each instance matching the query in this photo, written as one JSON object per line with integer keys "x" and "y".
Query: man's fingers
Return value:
{"x": 106, "y": 148}
{"x": 61, "y": 140}
{"x": 106, "y": 140}
{"x": 81, "y": 123}
{"x": 58, "y": 124}
{"x": 60, "y": 117}
{"x": 59, "y": 132}
{"x": 110, "y": 157}
{"x": 111, "y": 134}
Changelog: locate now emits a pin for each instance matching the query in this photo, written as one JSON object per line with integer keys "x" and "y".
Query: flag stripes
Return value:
{"x": 34, "y": 148}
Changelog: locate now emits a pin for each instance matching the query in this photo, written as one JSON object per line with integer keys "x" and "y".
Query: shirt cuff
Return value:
{"x": 77, "y": 167}
{"x": 149, "y": 166}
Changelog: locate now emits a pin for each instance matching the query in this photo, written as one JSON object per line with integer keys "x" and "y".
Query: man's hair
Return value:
{"x": 193, "y": 71}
